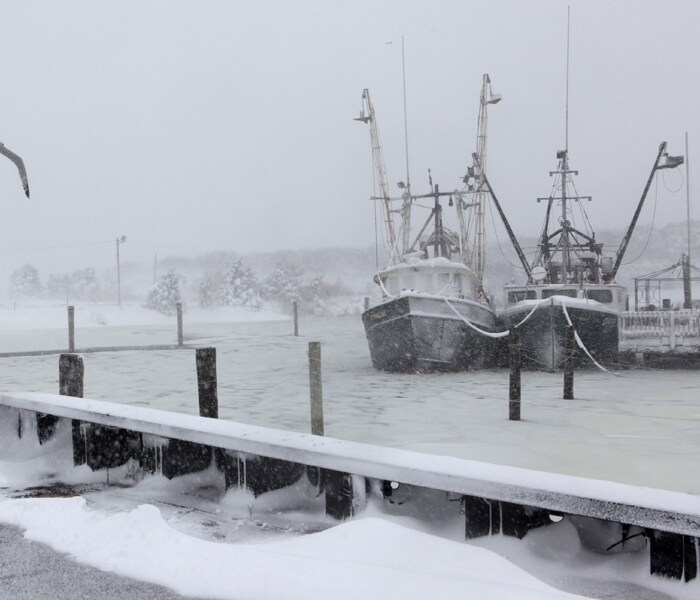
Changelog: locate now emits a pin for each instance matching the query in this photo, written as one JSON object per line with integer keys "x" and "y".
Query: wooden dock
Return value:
{"x": 495, "y": 499}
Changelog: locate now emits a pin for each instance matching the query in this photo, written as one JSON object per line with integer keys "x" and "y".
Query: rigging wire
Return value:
{"x": 663, "y": 177}
{"x": 498, "y": 241}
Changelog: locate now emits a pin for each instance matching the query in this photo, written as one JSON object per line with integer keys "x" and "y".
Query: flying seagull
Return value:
{"x": 20, "y": 166}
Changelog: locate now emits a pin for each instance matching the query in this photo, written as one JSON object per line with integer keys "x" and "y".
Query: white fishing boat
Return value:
{"x": 434, "y": 313}
{"x": 570, "y": 282}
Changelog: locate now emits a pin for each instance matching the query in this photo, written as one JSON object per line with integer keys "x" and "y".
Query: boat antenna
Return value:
{"x": 405, "y": 116}
{"x": 687, "y": 289}
{"x": 568, "y": 27}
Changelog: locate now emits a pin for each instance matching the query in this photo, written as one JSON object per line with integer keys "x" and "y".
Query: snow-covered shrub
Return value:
{"x": 326, "y": 299}
{"x": 165, "y": 294}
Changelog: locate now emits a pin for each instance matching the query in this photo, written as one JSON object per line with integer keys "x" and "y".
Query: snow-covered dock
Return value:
{"x": 495, "y": 499}
{"x": 663, "y": 338}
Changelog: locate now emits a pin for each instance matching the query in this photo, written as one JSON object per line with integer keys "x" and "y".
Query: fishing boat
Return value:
{"x": 434, "y": 313}
{"x": 570, "y": 282}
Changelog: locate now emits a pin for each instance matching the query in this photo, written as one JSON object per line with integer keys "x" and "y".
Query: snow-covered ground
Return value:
{"x": 639, "y": 428}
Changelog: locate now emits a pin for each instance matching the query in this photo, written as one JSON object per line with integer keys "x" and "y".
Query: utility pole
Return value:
{"x": 120, "y": 241}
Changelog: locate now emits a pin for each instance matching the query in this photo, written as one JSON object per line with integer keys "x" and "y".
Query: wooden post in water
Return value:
{"x": 180, "y": 337}
{"x": 316, "y": 388}
{"x": 71, "y": 329}
{"x": 366, "y": 303}
{"x": 71, "y": 373}
{"x": 569, "y": 352}
{"x": 515, "y": 361}
{"x": 296, "y": 318}
{"x": 206, "y": 382}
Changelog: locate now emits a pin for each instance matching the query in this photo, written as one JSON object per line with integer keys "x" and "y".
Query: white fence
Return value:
{"x": 660, "y": 330}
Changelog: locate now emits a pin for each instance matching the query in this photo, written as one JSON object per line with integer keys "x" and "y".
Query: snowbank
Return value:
{"x": 365, "y": 557}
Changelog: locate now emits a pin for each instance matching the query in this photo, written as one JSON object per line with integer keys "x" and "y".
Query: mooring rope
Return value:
{"x": 499, "y": 334}
{"x": 381, "y": 285}
{"x": 581, "y": 344}
{"x": 534, "y": 308}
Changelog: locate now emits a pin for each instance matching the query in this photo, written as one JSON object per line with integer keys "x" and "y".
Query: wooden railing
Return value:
{"x": 106, "y": 435}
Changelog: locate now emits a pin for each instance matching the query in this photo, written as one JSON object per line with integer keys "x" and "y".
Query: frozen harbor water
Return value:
{"x": 639, "y": 427}
{"x": 636, "y": 428}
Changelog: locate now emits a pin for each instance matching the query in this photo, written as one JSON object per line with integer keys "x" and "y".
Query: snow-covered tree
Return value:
{"x": 240, "y": 287}
{"x": 208, "y": 289}
{"x": 81, "y": 284}
{"x": 284, "y": 283}
{"x": 84, "y": 284}
{"x": 165, "y": 294}
{"x": 25, "y": 282}
{"x": 58, "y": 285}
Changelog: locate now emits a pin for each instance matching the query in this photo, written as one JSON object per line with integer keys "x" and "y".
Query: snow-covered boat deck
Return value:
{"x": 640, "y": 427}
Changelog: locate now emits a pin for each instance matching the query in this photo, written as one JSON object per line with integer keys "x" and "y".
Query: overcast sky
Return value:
{"x": 196, "y": 126}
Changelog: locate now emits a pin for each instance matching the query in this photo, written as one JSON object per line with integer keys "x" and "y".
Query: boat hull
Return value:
{"x": 413, "y": 333}
{"x": 542, "y": 336}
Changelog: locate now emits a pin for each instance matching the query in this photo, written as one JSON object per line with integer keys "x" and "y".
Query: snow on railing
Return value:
{"x": 664, "y": 325}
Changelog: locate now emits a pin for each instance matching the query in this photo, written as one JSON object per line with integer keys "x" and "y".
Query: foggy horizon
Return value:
{"x": 230, "y": 126}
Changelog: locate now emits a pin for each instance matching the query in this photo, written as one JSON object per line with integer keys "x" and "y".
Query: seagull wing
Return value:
{"x": 20, "y": 166}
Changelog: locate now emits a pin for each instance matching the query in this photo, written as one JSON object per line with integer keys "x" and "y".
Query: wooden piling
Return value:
{"x": 515, "y": 361}
{"x": 569, "y": 352}
{"x": 316, "y": 388}
{"x": 180, "y": 337}
{"x": 366, "y": 303}
{"x": 71, "y": 329}
{"x": 296, "y": 319}
{"x": 71, "y": 374}
{"x": 206, "y": 382}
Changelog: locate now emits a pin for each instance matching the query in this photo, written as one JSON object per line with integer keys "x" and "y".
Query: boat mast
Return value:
{"x": 688, "y": 295}
{"x": 367, "y": 116}
{"x": 406, "y": 206}
{"x": 565, "y": 258}
{"x": 487, "y": 97}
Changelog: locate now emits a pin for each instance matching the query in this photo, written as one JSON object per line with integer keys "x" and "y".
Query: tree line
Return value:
{"x": 238, "y": 286}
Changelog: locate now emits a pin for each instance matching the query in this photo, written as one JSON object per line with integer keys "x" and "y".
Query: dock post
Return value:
{"x": 366, "y": 303}
{"x": 71, "y": 329}
{"x": 71, "y": 372}
{"x": 296, "y": 319}
{"x": 316, "y": 388}
{"x": 180, "y": 337}
{"x": 207, "y": 383}
{"x": 569, "y": 352}
{"x": 515, "y": 360}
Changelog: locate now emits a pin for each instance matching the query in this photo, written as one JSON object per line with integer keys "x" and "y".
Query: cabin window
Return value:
{"x": 443, "y": 280}
{"x": 514, "y": 297}
{"x": 559, "y": 292}
{"x": 605, "y": 296}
